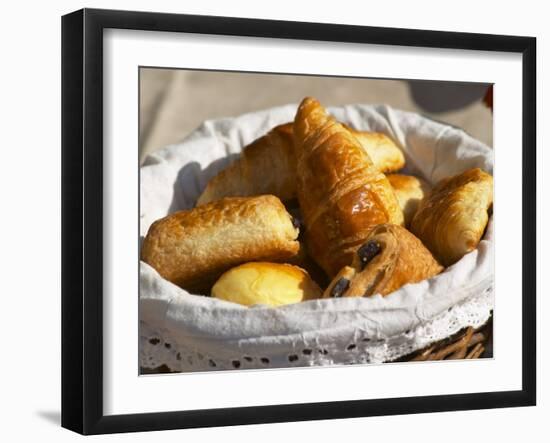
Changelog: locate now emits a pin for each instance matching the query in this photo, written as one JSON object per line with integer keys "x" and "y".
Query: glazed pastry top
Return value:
{"x": 273, "y": 284}
{"x": 342, "y": 195}
{"x": 268, "y": 165}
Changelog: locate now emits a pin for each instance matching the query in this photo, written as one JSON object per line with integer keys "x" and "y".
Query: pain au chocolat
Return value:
{"x": 390, "y": 258}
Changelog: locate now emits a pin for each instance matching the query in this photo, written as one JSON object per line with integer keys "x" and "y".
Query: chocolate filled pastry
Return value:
{"x": 389, "y": 258}
{"x": 452, "y": 219}
{"x": 340, "y": 283}
{"x": 268, "y": 165}
{"x": 410, "y": 191}
{"x": 273, "y": 284}
{"x": 192, "y": 248}
{"x": 342, "y": 195}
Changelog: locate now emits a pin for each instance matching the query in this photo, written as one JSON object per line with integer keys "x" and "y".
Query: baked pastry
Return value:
{"x": 340, "y": 283}
{"x": 410, "y": 191}
{"x": 384, "y": 153}
{"x": 273, "y": 284}
{"x": 451, "y": 221}
{"x": 341, "y": 194}
{"x": 268, "y": 165}
{"x": 390, "y": 258}
{"x": 193, "y": 248}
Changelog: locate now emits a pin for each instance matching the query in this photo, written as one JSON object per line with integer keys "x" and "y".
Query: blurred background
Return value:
{"x": 173, "y": 102}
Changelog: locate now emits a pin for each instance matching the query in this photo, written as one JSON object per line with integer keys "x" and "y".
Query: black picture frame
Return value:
{"x": 82, "y": 220}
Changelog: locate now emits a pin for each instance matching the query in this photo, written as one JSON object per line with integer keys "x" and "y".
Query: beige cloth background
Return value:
{"x": 174, "y": 102}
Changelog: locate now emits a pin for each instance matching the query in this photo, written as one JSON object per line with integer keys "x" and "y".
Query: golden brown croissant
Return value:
{"x": 384, "y": 153}
{"x": 192, "y": 248}
{"x": 452, "y": 219}
{"x": 410, "y": 191}
{"x": 268, "y": 165}
{"x": 341, "y": 194}
{"x": 390, "y": 258}
{"x": 273, "y": 284}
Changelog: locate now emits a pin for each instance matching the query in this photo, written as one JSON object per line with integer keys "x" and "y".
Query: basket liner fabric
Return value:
{"x": 190, "y": 332}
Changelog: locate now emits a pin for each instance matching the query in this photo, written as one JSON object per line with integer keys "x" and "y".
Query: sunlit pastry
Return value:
{"x": 342, "y": 195}
{"x": 192, "y": 248}
{"x": 273, "y": 284}
{"x": 268, "y": 165}
{"x": 340, "y": 283}
{"x": 451, "y": 221}
{"x": 384, "y": 153}
{"x": 410, "y": 191}
{"x": 390, "y": 258}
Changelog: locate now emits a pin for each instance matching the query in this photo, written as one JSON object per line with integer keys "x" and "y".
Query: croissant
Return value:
{"x": 390, "y": 258}
{"x": 451, "y": 221}
{"x": 341, "y": 193}
{"x": 193, "y": 248}
{"x": 384, "y": 153}
{"x": 410, "y": 191}
{"x": 268, "y": 165}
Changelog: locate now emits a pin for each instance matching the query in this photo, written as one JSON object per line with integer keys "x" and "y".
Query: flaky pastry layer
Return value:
{"x": 192, "y": 248}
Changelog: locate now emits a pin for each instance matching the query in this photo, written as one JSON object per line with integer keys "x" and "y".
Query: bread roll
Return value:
{"x": 273, "y": 284}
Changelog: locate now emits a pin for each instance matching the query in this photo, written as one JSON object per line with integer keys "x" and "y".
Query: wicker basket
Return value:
{"x": 468, "y": 343}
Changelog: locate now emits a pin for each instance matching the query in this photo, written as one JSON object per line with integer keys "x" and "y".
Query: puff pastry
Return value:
{"x": 342, "y": 195}
{"x": 273, "y": 284}
{"x": 268, "y": 165}
{"x": 192, "y": 248}
{"x": 451, "y": 221}
{"x": 384, "y": 153}
{"x": 390, "y": 258}
{"x": 410, "y": 191}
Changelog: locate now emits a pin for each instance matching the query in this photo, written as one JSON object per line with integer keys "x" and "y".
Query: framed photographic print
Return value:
{"x": 270, "y": 221}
